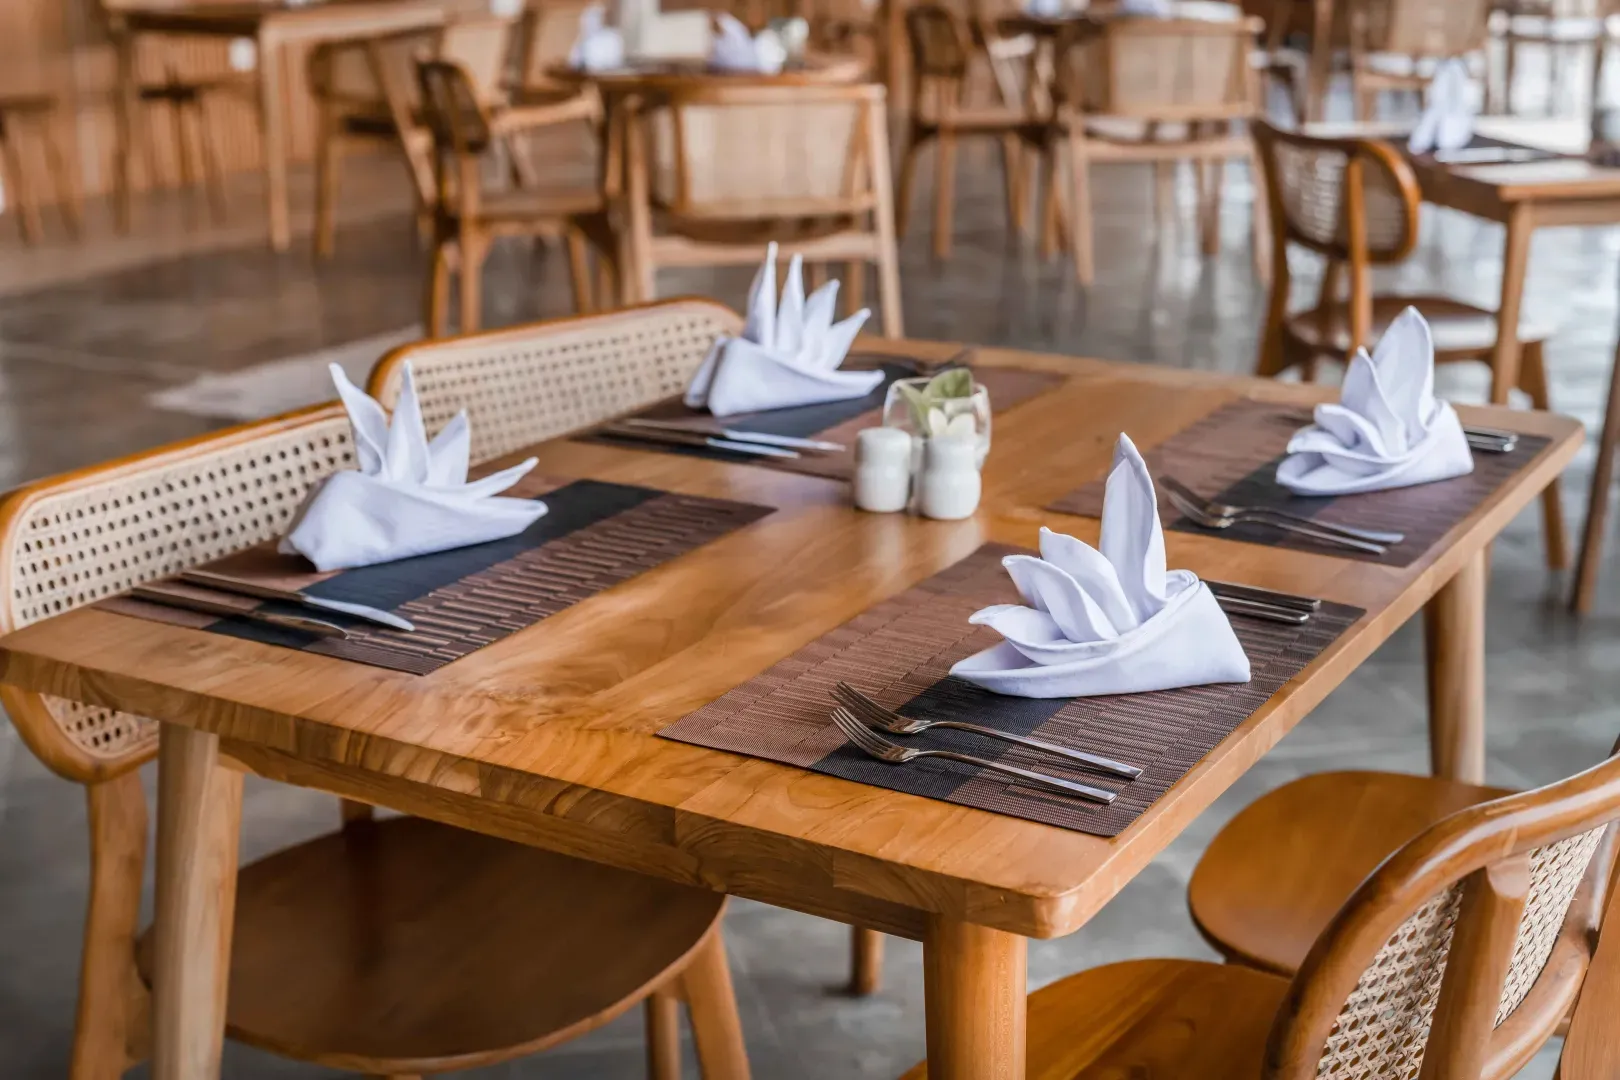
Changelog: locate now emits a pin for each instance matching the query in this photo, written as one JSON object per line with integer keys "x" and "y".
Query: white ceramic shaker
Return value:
{"x": 882, "y": 469}
{"x": 949, "y": 486}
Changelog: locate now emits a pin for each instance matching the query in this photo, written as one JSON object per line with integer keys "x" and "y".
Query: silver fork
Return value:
{"x": 1215, "y": 509}
{"x": 877, "y": 716}
{"x": 1210, "y": 521}
{"x": 871, "y": 743}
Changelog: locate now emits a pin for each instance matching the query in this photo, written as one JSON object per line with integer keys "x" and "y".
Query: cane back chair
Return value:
{"x": 524, "y": 385}
{"x": 1457, "y": 957}
{"x": 1355, "y": 203}
{"x": 302, "y": 983}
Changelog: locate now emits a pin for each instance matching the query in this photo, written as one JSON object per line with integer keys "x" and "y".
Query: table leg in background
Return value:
{"x": 1454, "y": 643}
{"x": 974, "y": 981}
{"x": 273, "y": 122}
{"x": 199, "y": 824}
{"x": 124, "y": 106}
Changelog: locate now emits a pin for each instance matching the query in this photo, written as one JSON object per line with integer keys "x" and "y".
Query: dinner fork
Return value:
{"x": 877, "y": 716}
{"x": 1198, "y": 515}
{"x": 1216, "y": 509}
{"x": 874, "y": 745}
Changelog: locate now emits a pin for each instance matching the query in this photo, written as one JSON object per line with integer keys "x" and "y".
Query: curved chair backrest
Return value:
{"x": 452, "y": 109}
{"x": 482, "y": 46}
{"x": 1163, "y": 69}
{"x": 547, "y": 36}
{"x": 74, "y": 539}
{"x": 526, "y": 384}
{"x": 1464, "y": 951}
{"x": 1419, "y": 28}
{"x": 941, "y": 42}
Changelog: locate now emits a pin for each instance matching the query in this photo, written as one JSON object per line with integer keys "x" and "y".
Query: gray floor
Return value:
{"x": 78, "y": 362}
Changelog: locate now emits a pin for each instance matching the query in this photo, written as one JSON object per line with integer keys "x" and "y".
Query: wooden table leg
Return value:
{"x": 865, "y": 961}
{"x": 124, "y": 106}
{"x": 273, "y": 124}
{"x": 1454, "y": 633}
{"x": 973, "y": 978}
{"x": 1597, "y": 504}
{"x": 1515, "y": 261}
{"x": 199, "y": 822}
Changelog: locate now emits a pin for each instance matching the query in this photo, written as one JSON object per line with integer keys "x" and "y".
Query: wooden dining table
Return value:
{"x": 549, "y": 737}
{"x": 274, "y": 26}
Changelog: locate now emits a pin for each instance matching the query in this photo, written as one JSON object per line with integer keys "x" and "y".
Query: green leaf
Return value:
{"x": 955, "y": 383}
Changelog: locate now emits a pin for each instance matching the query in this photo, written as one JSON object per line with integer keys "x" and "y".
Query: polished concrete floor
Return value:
{"x": 83, "y": 357}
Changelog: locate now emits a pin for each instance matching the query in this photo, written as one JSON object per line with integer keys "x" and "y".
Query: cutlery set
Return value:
{"x": 737, "y": 441}
{"x": 195, "y": 601}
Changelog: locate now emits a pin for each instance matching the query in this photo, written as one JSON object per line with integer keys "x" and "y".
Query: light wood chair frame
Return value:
{"x": 1381, "y": 28}
{"x": 40, "y": 114}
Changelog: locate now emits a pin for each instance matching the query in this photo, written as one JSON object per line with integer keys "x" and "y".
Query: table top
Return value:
{"x": 673, "y": 75}
{"x": 549, "y": 735}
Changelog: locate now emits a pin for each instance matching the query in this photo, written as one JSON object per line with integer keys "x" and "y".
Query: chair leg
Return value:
{"x": 663, "y": 1011}
{"x": 436, "y": 314}
{"x": 579, "y": 270}
{"x": 1260, "y": 224}
{"x": 1215, "y": 171}
{"x": 1164, "y": 202}
{"x": 1012, "y": 169}
{"x": 865, "y": 961}
{"x": 706, "y": 986}
{"x": 326, "y": 182}
{"x": 908, "y": 179}
{"x": 944, "y": 193}
{"x": 62, "y": 178}
{"x": 1533, "y": 380}
{"x": 213, "y": 171}
{"x": 182, "y": 154}
{"x": 1081, "y": 241}
{"x": 853, "y": 289}
{"x": 109, "y": 988}
{"x": 1597, "y": 506}
{"x": 22, "y": 197}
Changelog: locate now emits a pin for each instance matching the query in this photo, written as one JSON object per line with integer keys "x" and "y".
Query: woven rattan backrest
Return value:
{"x": 1162, "y": 69}
{"x": 548, "y": 33}
{"x": 940, "y": 42}
{"x": 73, "y": 540}
{"x": 1423, "y": 28}
{"x": 769, "y": 152}
{"x": 482, "y": 48}
{"x": 451, "y": 108}
{"x": 1414, "y": 964}
{"x": 1308, "y": 182}
{"x": 526, "y": 384}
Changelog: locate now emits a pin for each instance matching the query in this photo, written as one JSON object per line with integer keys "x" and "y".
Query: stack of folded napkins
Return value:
{"x": 786, "y": 356}
{"x": 1387, "y": 430}
{"x": 409, "y": 496}
{"x": 1111, "y": 620}
{"x": 599, "y": 47}
{"x": 1447, "y": 122}
{"x": 735, "y": 49}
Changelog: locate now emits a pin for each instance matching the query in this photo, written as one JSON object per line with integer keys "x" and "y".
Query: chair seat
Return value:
{"x": 518, "y": 207}
{"x": 1164, "y": 1019}
{"x": 404, "y": 946}
{"x": 27, "y": 102}
{"x": 1262, "y": 892}
{"x": 752, "y": 232}
{"x": 1461, "y": 331}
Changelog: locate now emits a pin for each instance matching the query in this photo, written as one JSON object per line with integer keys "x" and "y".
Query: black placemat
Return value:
{"x": 900, "y": 653}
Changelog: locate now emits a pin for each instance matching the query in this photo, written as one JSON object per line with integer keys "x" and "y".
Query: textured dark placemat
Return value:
{"x": 834, "y": 421}
{"x": 594, "y": 536}
{"x": 1231, "y": 456}
{"x": 900, "y": 651}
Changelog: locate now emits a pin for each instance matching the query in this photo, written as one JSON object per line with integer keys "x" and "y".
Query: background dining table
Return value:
{"x": 550, "y": 736}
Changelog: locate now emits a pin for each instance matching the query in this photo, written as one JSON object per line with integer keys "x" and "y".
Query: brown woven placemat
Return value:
{"x": 834, "y": 421}
{"x": 1231, "y": 456}
{"x": 900, "y": 652}
{"x": 593, "y": 536}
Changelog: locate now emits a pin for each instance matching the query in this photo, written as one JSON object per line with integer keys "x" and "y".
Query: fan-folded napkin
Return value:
{"x": 735, "y": 49}
{"x": 598, "y": 47}
{"x": 1447, "y": 122}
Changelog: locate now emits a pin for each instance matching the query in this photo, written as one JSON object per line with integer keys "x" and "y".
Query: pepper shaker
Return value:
{"x": 882, "y": 469}
{"x": 949, "y": 487}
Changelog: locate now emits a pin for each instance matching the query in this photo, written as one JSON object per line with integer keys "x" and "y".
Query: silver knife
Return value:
{"x": 293, "y": 596}
{"x": 764, "y": 438}
{"x": 696, "y": 438}
{"x": 214, "y": 607}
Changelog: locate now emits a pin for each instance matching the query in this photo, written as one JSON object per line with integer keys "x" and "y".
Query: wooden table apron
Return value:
{"x": 272, "y": 29}
{"x": 549, "y": 737}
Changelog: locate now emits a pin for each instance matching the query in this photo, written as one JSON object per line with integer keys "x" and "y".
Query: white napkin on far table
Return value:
{"x": 786, "y": 356}
{"x": 1107, "y": 620}
{"x": 409, "y": 496}
{"x": 1387, "y": 430}
{"x": 599, "y": 47}
{"x": 1046, "y": 9}
{"x": 1155, "y": 9}
{"x": 1447, "y": 122}
{"x": 735, "y": 49}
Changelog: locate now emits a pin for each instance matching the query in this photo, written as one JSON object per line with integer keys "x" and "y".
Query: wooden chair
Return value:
{"x": 1591, "y": 1051}
{"x": 1564, "y": 28}
{"x": 1457, "y": 957}
{"x": 1355, "y": 203}
{"x": 1396, "y": 45}
{"x": 943, "y": 45}
{"x": 340, "y": 944}
{"x": 186, "y": 99}
{"x": 467, "y": 219}
{"x": 715, "y": 172}
{"x": 21, "y": 113}
{"x": 1151, "y": 90}
{"x": 610, "y": 364}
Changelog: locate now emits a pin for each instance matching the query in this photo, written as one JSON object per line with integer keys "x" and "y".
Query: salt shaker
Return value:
{"x": 882, "y": 469}
{"x": 949, "y": 486}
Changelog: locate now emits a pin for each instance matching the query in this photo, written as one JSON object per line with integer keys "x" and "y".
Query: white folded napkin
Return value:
{"x": 1387, "y": 430}
{"x": 785, "y": 357}
{"x": 1046, "y": 9}
{"x": 1447, "y": 122}
{"x": 409, "y": 496}
{"x": 1157, "y": 9}
{"x": 735, "y": 49}
{"x": 599, "y": 47}
{"x": 1108, "y": 621}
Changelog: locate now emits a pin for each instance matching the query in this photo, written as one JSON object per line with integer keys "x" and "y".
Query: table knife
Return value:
{"x": 697, "y": 439}
{"x": 1255, "y": 595}
{"x": 216, "y": 607}
{"x": 764, "y": 438}
{"x": 293, "y": 596}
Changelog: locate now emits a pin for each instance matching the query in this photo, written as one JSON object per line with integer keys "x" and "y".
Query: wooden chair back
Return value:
{"x": 482, "y": 47}
{"x": 71, "y": 540}
{"x": 452, "y": 113}
{"x": 546, "y": 37}
{"x": 1419, "y": 28}
{"x": 765, "y": 152}
{"x": 940, "y": 41}
{"x": 1463, "y": 952}
{"x": 526, "y": 384}
{"x": 1171, "y": 70}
